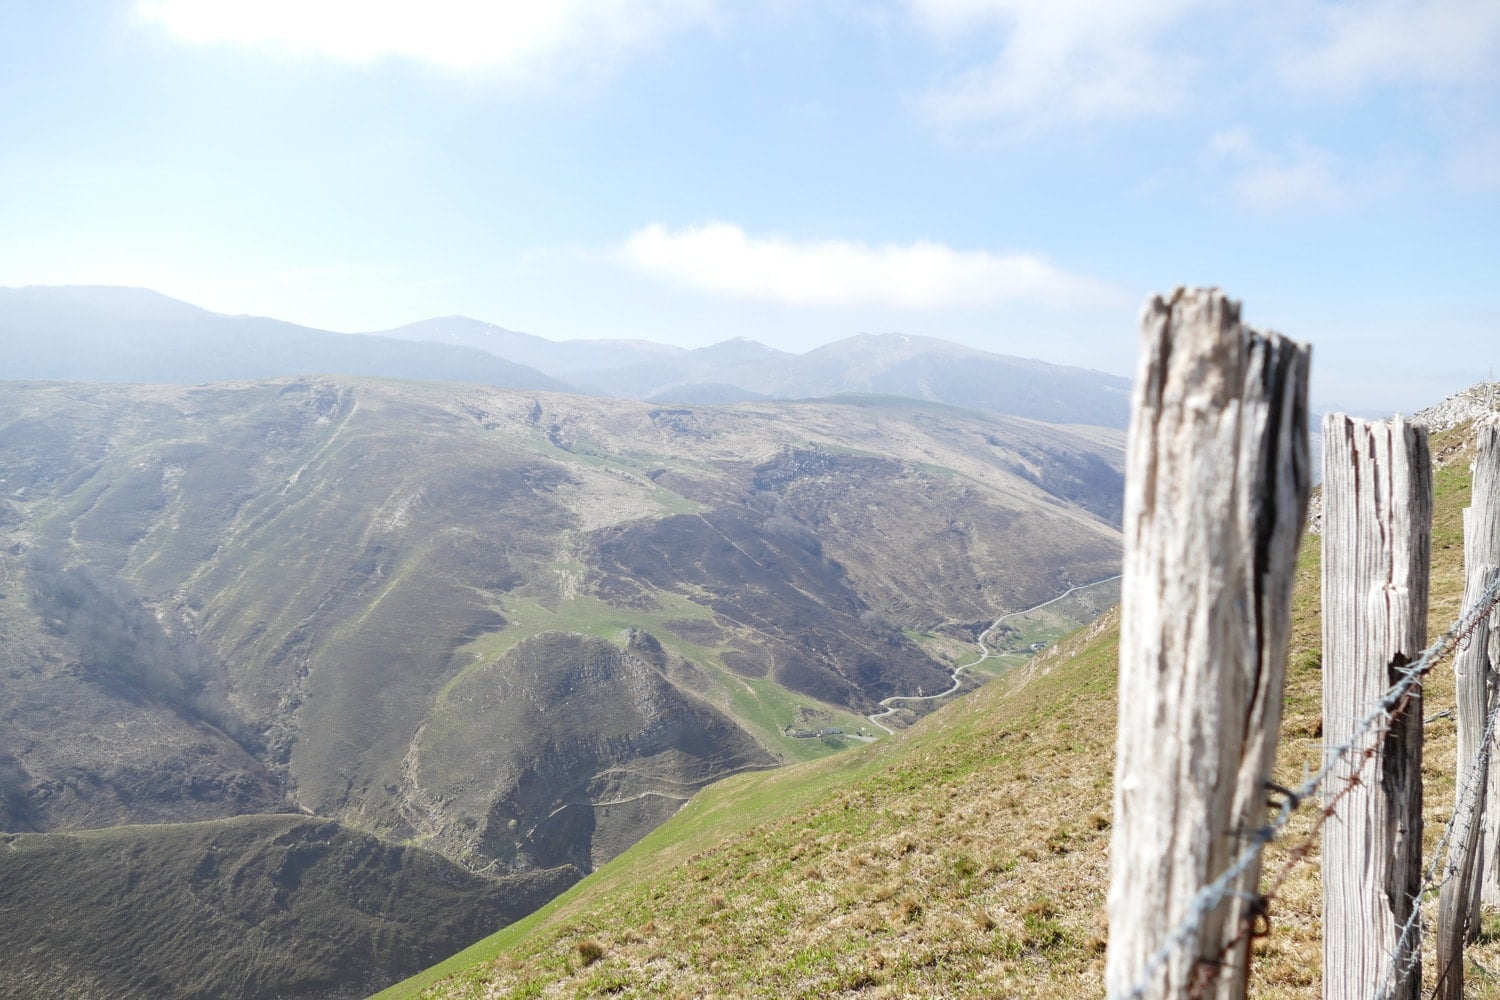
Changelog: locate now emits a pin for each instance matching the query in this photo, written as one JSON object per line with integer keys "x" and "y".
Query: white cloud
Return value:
{"x": 1393, "y": 41}
{"x": 1074, "y": 60}
{"x": 720, "y": 258}
{"x": 1476, "y": 163}
{"x": 1301, "y": 177}
{"x": 1231, "y": 142}
{"x": 1303, "y": 180}
{"x": 509, "y": 37}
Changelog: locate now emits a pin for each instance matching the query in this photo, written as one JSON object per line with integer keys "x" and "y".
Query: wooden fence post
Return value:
{"x": 1377, "y": 518}
{"x": 1475, "y": 673}
{"x": 1482, "y": 547}
{"x": 1458, "y": 902}
{"x": 1215, "y": 503}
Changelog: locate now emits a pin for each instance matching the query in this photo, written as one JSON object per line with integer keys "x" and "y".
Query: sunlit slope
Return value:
{"x": 958, "y": 858}
{"x": 964, "y": 857}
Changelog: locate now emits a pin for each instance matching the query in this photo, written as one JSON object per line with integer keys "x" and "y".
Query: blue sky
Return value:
{"x": 1017, "y": 175}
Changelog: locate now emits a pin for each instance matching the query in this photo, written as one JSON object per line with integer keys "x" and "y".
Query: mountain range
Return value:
{"x": 85, "y": 333}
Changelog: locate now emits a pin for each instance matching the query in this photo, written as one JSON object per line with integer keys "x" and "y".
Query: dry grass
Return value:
{"x": 966, "y": 858}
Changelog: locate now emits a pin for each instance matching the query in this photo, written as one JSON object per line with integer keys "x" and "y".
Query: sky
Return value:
{"x": 1015, "y": 175}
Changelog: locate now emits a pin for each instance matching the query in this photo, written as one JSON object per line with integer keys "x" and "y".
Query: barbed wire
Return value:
{"x": 1445, "y": 853}
{"x": 1391, "y": 704}
{"x": 1409, "y": 941}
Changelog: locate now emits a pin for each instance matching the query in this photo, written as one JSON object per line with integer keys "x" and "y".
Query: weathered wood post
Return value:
{"x": 1458, "y": 901}
{"x": 1481, "y": 548}
{"x": 1377, "y": 518}
{"x": 1474, "y": 667}
{"x": 1215, "y": 502}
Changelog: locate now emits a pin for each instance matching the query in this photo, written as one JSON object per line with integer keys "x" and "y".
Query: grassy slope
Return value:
{"x": 966, "y": 856}
{"x": 912, "y": 864}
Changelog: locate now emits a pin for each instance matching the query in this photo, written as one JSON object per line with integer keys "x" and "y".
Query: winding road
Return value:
{"x": 985, "y": 653}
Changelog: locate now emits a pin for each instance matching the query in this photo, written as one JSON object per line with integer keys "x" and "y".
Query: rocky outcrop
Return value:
{"x": 1481, "y": 399}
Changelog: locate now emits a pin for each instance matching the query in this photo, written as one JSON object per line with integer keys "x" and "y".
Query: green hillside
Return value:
{"x": 964, "y": 857}
{"x": 937, "y": 856}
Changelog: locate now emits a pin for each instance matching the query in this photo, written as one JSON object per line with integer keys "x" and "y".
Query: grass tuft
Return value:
{"x": 589, "y": 952}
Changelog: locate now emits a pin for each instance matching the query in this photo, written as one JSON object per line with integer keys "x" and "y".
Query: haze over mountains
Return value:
{"x": 121, "y": 334}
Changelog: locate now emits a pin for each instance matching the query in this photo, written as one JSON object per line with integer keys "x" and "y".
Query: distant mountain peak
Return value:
{"x": 735, "y": 349}
{"x": 451, "y": 327}
{"x": 97, "y": 297}
{"x": 893, "y": 347}
{"x": 115, "y": 334}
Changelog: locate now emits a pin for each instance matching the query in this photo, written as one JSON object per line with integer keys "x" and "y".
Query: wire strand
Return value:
{"x": 1394, "y": 699}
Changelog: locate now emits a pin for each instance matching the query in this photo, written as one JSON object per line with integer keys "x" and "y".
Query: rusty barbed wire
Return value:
{"x": 1395, "y": 699}
{"x": 1466, "y": 801}
{"x": 1259, "y": 912}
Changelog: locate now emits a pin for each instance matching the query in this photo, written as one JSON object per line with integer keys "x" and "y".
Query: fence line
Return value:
{"x": 1395, "y": 698}
{"x": 1216, "y": 486}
